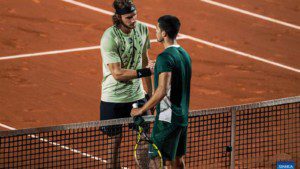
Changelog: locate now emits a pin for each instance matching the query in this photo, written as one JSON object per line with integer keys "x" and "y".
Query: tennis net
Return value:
{"x": 244, "y": 136}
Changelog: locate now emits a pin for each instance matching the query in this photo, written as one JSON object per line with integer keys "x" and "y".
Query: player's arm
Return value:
{"x": 112, "y": 59}
{"x": 164, "y": 84}
{"x": 147, "y": 80}
{"x": 147, "y": 63}
{"x": 127, "y": 74}
{"x": 121, "y": 74}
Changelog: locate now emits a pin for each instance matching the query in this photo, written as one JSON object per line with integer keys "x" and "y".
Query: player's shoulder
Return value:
{"x": 167, "y": 52}
{"x": 141, "y": 27}
{"x": 141, "y": 24}
{"x": 164, "y": 56}
{"x": 110, "y": 32}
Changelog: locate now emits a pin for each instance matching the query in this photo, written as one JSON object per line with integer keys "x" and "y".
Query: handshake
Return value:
{"x": 151, "y": 65}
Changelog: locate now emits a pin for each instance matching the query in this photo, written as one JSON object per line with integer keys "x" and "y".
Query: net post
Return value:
{"x": 232, "y": 142}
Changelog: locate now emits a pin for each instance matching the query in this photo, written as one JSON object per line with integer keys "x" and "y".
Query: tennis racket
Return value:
{"x": 141, "y": 151}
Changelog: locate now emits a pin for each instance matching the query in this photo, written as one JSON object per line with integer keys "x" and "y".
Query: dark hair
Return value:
{"x": 170, "y": 24}
{"x": 118, "y": 5}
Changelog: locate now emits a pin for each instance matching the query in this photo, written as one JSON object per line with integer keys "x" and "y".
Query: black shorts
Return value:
{"x": 110, "y": 110}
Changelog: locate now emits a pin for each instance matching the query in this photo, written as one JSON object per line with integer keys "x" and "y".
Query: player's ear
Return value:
{"x": 119, "y": 16}
{"x": 163, "y": 33}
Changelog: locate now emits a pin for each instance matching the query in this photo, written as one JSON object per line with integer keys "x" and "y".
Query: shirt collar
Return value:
{"x": 176, "y": 46}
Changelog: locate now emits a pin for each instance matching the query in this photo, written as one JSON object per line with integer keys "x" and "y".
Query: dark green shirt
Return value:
{"x": 174, "y": 107}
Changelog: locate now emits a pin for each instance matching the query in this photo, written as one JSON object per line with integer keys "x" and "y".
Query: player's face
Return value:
{"x": 159, "y": 36}
{"x": 129, "y": 20}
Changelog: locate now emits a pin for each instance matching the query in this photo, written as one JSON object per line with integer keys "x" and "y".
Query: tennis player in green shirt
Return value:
{"x": 172, "y": 76}
{"x": 124, "y": 51}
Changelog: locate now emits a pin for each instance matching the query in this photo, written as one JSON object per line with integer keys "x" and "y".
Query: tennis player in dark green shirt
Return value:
{"x": 172, "y": 76}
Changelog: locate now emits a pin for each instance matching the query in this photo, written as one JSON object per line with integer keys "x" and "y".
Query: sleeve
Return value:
{"x": 164, "y": 63}
{"x": 109, "y": 50}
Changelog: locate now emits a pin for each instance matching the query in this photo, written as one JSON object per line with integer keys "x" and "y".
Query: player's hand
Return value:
{"x": 151, "y": 65}
{"x": 136, "y": 112}
{"x": 152, "y": 110}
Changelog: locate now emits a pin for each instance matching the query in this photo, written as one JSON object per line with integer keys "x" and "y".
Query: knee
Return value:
{"x": 180, "y": 159}
{"x": 180, "y": 162}
{"x": 167, "y": 163}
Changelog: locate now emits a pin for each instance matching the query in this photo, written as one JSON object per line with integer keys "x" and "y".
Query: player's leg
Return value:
{"x": 155, "y": 163}
{"x": 114, "y": 134}
{"x": 110, "y": 111}
{"x": 166, "y": 136}
{"x": 113, "y": 151}
{"x": 179, "y": 163}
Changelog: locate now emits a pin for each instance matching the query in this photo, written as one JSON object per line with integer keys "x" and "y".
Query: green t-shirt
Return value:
{"x": 126, "y": 49}
{"x": 175, "y": 106}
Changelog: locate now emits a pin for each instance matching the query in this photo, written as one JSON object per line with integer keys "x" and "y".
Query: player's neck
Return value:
{"x": 169, "y": 42}
{"x": 125, "y": 29}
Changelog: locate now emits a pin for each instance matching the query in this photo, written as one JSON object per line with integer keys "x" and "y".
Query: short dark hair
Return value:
{"x": 120, "y": 4}
{"x": 170, "y": 24}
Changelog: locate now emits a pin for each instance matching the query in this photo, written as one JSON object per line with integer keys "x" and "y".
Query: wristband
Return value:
{"x": 143, "y": 72}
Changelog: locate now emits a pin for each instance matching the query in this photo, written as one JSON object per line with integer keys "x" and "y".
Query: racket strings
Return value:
{"x": 142, "y": 158}
{"x": 143, "y": 153}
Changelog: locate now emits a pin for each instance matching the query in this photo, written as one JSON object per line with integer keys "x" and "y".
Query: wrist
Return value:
{"x": 145, "y": 72}
{"x": 140, "y": 112}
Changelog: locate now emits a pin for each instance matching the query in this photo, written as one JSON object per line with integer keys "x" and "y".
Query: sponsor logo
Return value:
{"x": 285, "y": 165}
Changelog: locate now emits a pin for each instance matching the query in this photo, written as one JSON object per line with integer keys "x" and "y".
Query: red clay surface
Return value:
{"x": 284, "y": 10}
{"x": 66, "y": 88}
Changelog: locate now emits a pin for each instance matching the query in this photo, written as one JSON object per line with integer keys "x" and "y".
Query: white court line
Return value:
{"x": 49, "y": 53}
{"x": 195, "y": 39}
{"x": 252, "y": 14}
{"x": 7, "y": 127}
{"x": 58, "y": 145}
{"x": 60, "y": 51}
{"x": 244, "y": 54}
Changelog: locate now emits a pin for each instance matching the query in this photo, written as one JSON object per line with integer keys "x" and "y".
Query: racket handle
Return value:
{"x": 138, "y": 120}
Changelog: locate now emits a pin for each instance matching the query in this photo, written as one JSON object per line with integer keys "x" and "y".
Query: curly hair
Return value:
{"x": 119, "y": 4}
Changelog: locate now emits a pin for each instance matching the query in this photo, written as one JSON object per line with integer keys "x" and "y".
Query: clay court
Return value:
{"x": 51, "y": 69}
